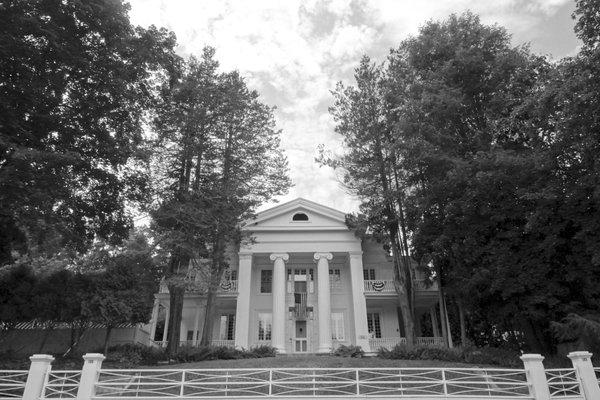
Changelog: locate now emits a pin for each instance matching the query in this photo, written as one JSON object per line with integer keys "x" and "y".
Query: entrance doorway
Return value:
{"x": 301, "y": 339}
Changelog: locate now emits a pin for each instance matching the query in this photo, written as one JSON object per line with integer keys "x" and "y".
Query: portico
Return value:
{"x": 300, "y": 286}
{"x": 303, "y": 294}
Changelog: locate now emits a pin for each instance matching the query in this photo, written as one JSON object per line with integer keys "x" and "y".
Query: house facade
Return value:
{"x": 306, "y": 284}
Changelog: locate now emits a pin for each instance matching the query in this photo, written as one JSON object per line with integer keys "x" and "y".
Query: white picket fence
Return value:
{"x": 533, "y": 382}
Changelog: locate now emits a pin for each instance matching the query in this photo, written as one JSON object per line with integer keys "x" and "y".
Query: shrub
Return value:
{"x": 349, "y": 351}
{"x": 262, "y": 352}
{"x": 135, "y": 354}
{"x": 472, "y": 355}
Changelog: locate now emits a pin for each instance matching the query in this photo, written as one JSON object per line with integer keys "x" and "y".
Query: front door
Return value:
{"x": 300, "y": 341}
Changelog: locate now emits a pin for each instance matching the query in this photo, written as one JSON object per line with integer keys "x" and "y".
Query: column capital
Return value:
{"x": 327, "y": 256}
{"x": 245, "y": 256}
{"x": 283, "y": 256}
{"x": 355, "y": 254}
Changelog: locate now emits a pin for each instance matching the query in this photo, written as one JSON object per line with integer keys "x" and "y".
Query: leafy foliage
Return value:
{"x": 221, "y": 159}
{"x": 349, "y": 351}
{"x": 76, "y": 83}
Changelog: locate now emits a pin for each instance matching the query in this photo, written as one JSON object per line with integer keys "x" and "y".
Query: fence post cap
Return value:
{"x": 532, "y": 357}
{"x": 89, "y": 357}
{"x": 41, "y": 358}
{"x": 576, "y": 355}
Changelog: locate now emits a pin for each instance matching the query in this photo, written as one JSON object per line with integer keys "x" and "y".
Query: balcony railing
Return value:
{"x": 388, "y": 343}
{"x": 300, "y": 307}
{"x": 387, "y": 286}
{"x": 226, "y": 287}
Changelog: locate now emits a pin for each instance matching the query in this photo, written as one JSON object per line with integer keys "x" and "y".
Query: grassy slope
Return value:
{"x": 317, "y": 362}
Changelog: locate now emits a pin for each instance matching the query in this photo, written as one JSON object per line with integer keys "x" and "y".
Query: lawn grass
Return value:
{"x": 314, "y": 361}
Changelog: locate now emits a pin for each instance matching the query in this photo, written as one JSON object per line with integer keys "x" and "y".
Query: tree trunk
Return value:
{"x": 207, "y": 325}
{"x": 107, "y": 338}
{"x": 216, "y": 273}
{"x": 176, "y": 295}
{"x": 463, "y": 328}
{"x": 443, "y": 318}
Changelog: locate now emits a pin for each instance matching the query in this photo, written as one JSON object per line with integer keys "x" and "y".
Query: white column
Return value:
{"x": 358, "y": 301}
{"x": 536, "y": 376}
{"x": 278, "y": 292}
{"x": 582, "y": 363}
{"x": 196, "y": 323}
{"x": 324, "y": 300}
{"x": 36, "y": 379}
{"x": 153, "y": 320}
{"x": 92, "y": 362}
{"x": 242, "y": 308}
{"x": 166, "y": 329}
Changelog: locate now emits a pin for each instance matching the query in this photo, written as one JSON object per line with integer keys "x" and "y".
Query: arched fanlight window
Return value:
{"x": 300, "y": 217}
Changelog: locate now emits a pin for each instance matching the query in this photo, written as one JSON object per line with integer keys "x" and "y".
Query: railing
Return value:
{"x": 425, "y": 284}
{"x": 12, "y": 384}
{"x": 225, "y": 343}
{"x": 62, "y": 385}
{"x": 379, "y": 286}
{"x": 389, "y": 342}
{"x": 385, "y": 343}
{"x": 387, "y": 286}
{"x": 563, "y": 383}
{"x": 230, "y": 286}
{"x": 93, "y": 382}
{"x": 300, "y": 305}
{"x": 430, "y": 341}
{"x": 455, "y": 383}
{"x": 226, "y": 286}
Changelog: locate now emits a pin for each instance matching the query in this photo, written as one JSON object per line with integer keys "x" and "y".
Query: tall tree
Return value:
{"x": 222, "y": 159}
{"x": 124, "y": 291}
{"x": 76, "y": 82}
{"x": 370, "y": 171}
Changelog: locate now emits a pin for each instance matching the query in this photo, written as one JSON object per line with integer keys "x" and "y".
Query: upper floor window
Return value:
{"x": 264, "y": 326}
{"x": 300, "y": 217}
{"x": 335, "y": 278}
{"x": 227, "y": 327}
{"x": 369, "y": 274}
{"x": 266, "y": 278}
{"x": 337, "y": 326}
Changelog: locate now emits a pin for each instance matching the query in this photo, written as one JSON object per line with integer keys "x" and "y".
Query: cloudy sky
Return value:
{"x": 293, "y": 52}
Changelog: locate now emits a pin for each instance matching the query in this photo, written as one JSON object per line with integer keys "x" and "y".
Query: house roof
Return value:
{"x": 279, "y": 217}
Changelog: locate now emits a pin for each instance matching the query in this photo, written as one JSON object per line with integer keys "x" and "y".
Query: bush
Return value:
{"x": 202, "y": 353}
{"x": 349, "y": 351}
{"x": 471, "y": 355}
{"x": 262, "y": 352}
{"x": 135, "y": 354}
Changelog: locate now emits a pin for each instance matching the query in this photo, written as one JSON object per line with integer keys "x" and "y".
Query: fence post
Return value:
{"x": 536, "y": 376}
{"x": 582, "y": 363}
{"x": 36, "y": 379}
{"x": 92, "y": 362}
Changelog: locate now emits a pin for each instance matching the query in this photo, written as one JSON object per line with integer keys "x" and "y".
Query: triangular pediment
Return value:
{"x": 281, "y": 217}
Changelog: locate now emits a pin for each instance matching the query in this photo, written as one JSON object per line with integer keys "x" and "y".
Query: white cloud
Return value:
{"x": 294, "y": 51}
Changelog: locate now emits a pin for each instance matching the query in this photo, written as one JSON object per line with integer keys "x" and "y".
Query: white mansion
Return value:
{"x": 305, "y": 284}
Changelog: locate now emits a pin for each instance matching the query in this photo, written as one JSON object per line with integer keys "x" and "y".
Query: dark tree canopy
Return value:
{"x": 76, "y": 83}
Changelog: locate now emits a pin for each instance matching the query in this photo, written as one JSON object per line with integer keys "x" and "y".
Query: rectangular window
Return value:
{"x": 233, "y": 275}
{"x": 190, "y": 335}
{"x": 266, "y": 278}
{"x": 374, "y": 325}
{"x": 369, "y": 274}
{"x": 335, "y": 278}
{"x": 227, "y": 327}
{"x": 264, "y": 326}
{"x": 337, "y": 326}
